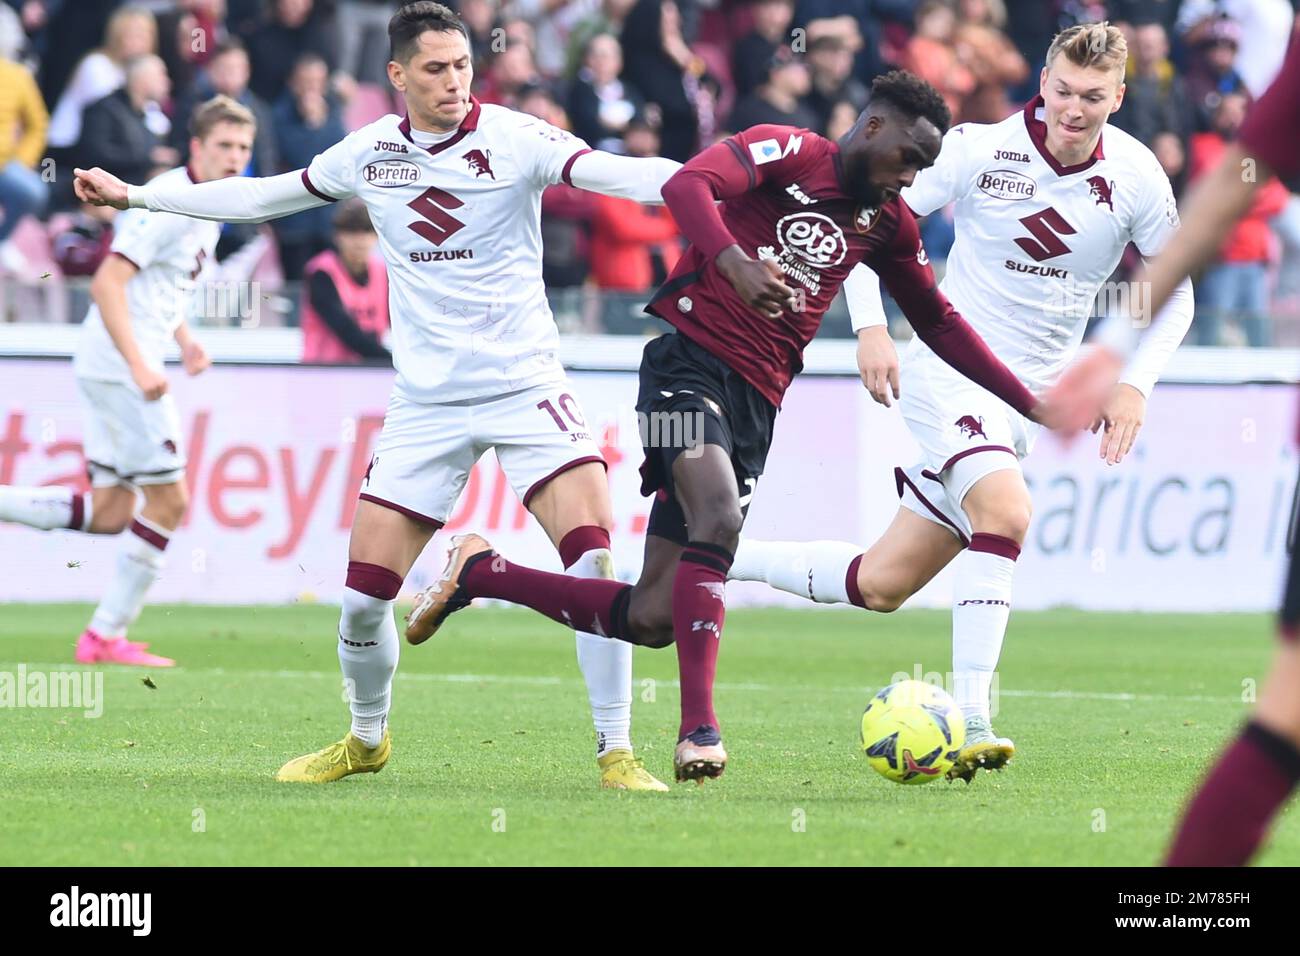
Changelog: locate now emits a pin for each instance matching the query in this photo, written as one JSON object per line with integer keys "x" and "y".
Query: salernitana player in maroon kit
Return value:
{"x": 798, "y": 212}
{"x": 1229, "y": 816}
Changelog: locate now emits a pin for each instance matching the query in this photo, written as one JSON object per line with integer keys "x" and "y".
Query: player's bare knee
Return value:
{"x": 113, "y": 521}
{"x": 651, "y": 623}
{"x": 882, "y": 600}
{"x": 720, "y": 524}
{"x": 1007, "y": 520}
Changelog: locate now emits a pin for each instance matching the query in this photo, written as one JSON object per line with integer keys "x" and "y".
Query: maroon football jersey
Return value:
{"x": 785, "y": 198}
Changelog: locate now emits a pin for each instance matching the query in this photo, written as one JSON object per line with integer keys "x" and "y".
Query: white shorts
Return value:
{"x": 965, "y": 433}
{"x": 130, "y": 441}
{"x": 425, "y": 452}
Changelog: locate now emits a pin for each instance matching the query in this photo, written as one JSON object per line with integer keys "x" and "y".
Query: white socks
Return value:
{"x": 606, "y": 667}
{"x": 981, "y": 605}
{"x": 815, "y": 570}
{"x": 368, "y": 652}
{"x": 45, "y": 508}
{"x": 138, "y": 565}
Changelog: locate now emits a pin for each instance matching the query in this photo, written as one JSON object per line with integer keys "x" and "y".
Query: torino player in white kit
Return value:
{"x": 454, "y": 191}
{"x": 1045, "y": 208}
{"x": 141, "y": 295}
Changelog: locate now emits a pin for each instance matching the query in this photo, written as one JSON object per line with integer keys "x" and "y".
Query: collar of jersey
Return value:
{"x": 1037, "y": 130}
{"x": 467, "y": 126}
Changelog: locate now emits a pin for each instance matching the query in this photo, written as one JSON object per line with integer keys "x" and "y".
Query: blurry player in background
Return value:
{"x": 1043, "y": 216}
{"x": 141, "y": 294}
{"x": 1229, "y": 816}
{"x": 798, "y": 212}
{"x": 454, "y": 192}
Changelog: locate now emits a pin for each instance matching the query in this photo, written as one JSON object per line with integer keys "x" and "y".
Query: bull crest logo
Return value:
{"x": 1100, "y": 189}
{"x": 971, "y": 426}
{"x": 479, "y": 162}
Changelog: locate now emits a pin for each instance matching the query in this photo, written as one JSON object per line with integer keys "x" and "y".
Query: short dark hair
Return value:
{"x": 912, "y": 96}
{"x": 352, "y": 216}
{"x": 413, "y": 19}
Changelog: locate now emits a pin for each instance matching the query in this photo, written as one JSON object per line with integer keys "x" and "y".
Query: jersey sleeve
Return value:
{"x": 1156, "y": 217}
{"x": 945, "y": 181}
{"x": 332, "y": 175}
{"x": 143, "y": 237}
{"x": 862, "y": 293}
{"x": 775, "y": 154}
{"x": 546, "y": 153}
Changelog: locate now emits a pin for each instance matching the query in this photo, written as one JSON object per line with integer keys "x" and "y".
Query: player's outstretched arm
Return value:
{"x": 233, "y": 199}
{"x": 627, "y": 177}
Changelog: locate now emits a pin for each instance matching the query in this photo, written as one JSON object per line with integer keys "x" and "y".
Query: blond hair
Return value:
{"x": 1097, "y": 45}
{"x": 220, "y": 109}
{"x": 117, "y": 25}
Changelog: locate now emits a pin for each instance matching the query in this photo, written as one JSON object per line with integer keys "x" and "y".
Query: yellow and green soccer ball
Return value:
{"x": 912, "y": 732}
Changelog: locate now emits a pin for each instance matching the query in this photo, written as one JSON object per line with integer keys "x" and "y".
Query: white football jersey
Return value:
{"x": 170, "y": 251}
{"x": 1035, "y": 240}
{"x": 459, "y": 224}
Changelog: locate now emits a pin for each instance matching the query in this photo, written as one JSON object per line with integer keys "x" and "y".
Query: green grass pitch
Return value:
{"x": 1115, "y": 717}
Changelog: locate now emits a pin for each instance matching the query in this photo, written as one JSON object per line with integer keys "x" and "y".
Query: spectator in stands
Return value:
{"x": 552, "y": 22}
{"x": 608, "y": 19}
{"x": 932, "y": 55}
{"x": 1210, "y": 72}
{"x": 291, "y": 29}
{"x": 778, "y": 99}
{"x": 600, "y": 104}
{"x": 479, "y": 17}
{"x": 308, "y": 120}
{"x": 1155, "y": 101}
{"x": 1236, "y": 286}
{"x": 82, "y": 246}
{"x": 187, "y": 36}
{"x": 753, "y": 51}
{"x": 865, "y": 25}
{"x": 658, "y": 61}
{"x": 131, "y": 33}
{"x": 23, "y": 122}
{"x": 992, "y": 59}
{"x": 537, "y": 100}
{"x": 508, "y": 72}
{"x": 345, "y": 295}
{"x": 227, "y": 74}
{"x": 126, "y": 132}
{"x": 830, "y": 67}
{"x": 843, "y": 115}
{"x": 363, "y": 39}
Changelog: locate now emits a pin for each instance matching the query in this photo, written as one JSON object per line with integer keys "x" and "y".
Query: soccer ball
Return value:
{"x": 912, "y": 732}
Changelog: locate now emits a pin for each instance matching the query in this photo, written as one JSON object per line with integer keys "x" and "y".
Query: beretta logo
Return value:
{"x": 1007, "y": 184}
{"x": 390, "y": 173}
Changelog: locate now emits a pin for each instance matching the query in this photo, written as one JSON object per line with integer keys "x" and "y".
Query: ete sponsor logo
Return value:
{"x": 1007, "y": 184}
{"x": 133, "y": 910}
{"x": 814, "y": 238}
{"x": 1011, "y": 156}
{"x": 391, "y": 173}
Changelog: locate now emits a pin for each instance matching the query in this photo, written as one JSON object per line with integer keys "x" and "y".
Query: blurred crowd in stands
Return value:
{"x": 112, "y": 84}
